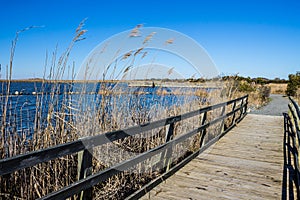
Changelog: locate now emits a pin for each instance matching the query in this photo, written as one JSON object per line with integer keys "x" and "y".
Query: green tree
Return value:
{"x": 293, "y": 84}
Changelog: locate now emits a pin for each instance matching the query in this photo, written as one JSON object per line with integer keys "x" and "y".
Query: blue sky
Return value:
{"x": 252, "y": 38}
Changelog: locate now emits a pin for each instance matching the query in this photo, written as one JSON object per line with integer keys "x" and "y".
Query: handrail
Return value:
{"x": 292, "y": 144}
{"x": 10, "y": 165}
{"x": 22, "y": 161}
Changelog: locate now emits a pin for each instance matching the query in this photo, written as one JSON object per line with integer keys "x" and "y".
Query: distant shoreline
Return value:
{"x": 57, "y": 81}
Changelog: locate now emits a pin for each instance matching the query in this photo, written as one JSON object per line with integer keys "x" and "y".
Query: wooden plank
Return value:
{"x": 245, "y": 164}
{"x": 219, "y": 185}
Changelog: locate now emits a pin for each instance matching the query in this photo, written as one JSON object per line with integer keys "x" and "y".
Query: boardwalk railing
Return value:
{"x": 231, "y": 113}
{"x": 291, "y": 151}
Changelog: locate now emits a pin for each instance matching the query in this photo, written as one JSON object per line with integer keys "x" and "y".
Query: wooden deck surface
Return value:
{"x": 247, "y": 163}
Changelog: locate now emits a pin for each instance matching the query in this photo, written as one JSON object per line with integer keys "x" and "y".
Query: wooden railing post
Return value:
{"x": 246, "y": 104}
{"x": 203, "y": 132}
{"x": 223, "y": 121}
{"x": 233, "y": 117}
{"x": 85, "y": 159}
{"x": 241, "y": 109}
{"x": 167, "y": 155}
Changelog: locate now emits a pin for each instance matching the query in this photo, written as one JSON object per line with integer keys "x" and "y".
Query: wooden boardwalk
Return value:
{"x": 247, "y": 163}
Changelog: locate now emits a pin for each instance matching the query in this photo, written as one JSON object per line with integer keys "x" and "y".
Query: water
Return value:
{"x": 26, "y": 100}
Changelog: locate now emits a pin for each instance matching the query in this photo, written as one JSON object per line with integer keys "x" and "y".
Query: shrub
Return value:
{"x": 246, "y": 87}
{"x": 265, "y": 92}
{"x": 293, "y": 84}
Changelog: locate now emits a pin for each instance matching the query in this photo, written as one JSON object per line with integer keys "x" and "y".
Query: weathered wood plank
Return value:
{"x": 245, "y": 164}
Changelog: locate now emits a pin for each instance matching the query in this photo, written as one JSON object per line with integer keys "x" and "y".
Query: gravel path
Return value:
{"x": 277, "y": 106}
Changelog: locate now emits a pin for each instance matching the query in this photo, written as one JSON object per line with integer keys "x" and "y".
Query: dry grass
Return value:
{"x": 37, "y": 181}
{"x": 258, "y": 94}
{"x": 298, "y": 96}
{"x": 277, "y": 88}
